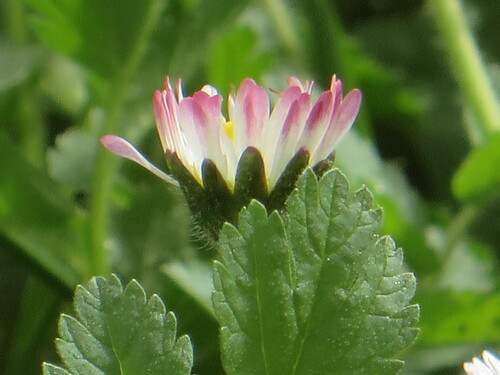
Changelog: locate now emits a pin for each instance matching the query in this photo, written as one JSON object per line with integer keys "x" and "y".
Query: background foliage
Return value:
{"x": 72, "y": 70}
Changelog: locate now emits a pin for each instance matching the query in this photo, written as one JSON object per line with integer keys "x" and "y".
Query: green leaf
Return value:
{"x": 96, "y": 33}
{"x": 39, "y": 217}
{"x": 31, "y": 331}
{"x": 194, "y": 278}
{"x": 450, "y": 317}
{"x": 316, "y": 293}
{"x": 17, "y": 63}
{"x": 71, "y": 161}
{"x": 118, "y": 331}
{"x": 478, "y": 177}
{"x": 65, "y": 83}
{"x": 195, "y": 30}
{"x": 470, "y": 266}
{"x": 404, "y": 212}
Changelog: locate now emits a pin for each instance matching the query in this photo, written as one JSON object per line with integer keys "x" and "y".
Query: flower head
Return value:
{"x": 489, "y": 365}
{"x": 254, "y": 152}
{"x": 195, "y": 129}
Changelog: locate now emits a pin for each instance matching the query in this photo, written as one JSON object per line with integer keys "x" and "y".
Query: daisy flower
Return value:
{"x": 223, "y": 160}
{"x": 195, "y": 129}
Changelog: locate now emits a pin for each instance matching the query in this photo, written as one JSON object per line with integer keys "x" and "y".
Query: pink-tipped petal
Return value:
{"x": 193, "y": 123}
{"x": 336, "y": 88}
{"x": 250, "y": 112}
{"x": 274, "y": 125}
{"x": 171, "y": 107}
{"x": 211, "y": 106}
{"x": 341, "y": 122}
{"x": 287, "y": 142}
{"x": 123, "y": 148}
{"x": 307, "y": 86}
{"x": 295, "y": 122}
{"x": 161, "y": 121}
{"x": 287, "y": 98}
{"x": 291, "y": 131}
{"x": 350, "y": 107}
{"x": 317, "y": 122}
{"x": 256, "y": 110}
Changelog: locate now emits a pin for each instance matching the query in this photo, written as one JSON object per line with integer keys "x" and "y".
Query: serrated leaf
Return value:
{"x": 478, "y": 177}
{"x": 118, "y": 331}
{"x": 49, "y": 369}
{"x": 316, "y": 293}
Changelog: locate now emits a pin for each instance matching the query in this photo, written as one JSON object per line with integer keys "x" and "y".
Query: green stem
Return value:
{"x": 467, "y": 63}
{"x": 30, "y": 125}
{"x": 284, "y": 24}
{"x": 331, "y": 50}
{"x": 458, "y": 227}
{"x": 103, "y": 176}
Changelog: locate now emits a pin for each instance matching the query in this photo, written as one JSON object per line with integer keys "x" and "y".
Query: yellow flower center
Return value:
{"x": 229, "y": 129}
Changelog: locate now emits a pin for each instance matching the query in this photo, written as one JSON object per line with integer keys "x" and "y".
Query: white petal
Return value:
{"x": 210, "y": 90}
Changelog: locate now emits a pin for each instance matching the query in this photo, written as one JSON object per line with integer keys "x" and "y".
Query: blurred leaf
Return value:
{"x": 16, "y": 63}
{"x": 30, "y": 330}
{"x": 195, "y": 278}
{"x": 404, "y": 211}
{"x": 99, "y": 34}
{"x": 197, "y": 320}
{"x": 65, "y": 82}
{"x": 415, "y": 109}
{"x": 37, "y": 216}
{"x": 71, "y": 161}
{"x": 478, "y": 177}
{"x": 451, "y": 317}
{"x": 236, "y": 56}
{"x": 194, "y": 31}
{"x": 118, "y": 331}
{"x": 437, "y": 359}
{"x": 470, "y": 267}
{"x": 148, "y": 229}
{"x": 320, "y": 293}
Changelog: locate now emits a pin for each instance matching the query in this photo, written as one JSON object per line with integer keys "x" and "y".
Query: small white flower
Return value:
{"x": 195, "y": 129}
{"x": 489, "y": 365}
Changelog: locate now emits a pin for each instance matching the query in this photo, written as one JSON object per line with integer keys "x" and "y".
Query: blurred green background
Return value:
{"x": 425, "y": 143}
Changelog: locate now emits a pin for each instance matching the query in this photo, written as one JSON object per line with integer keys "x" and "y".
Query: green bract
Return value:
{"x": 214, "y": 203}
